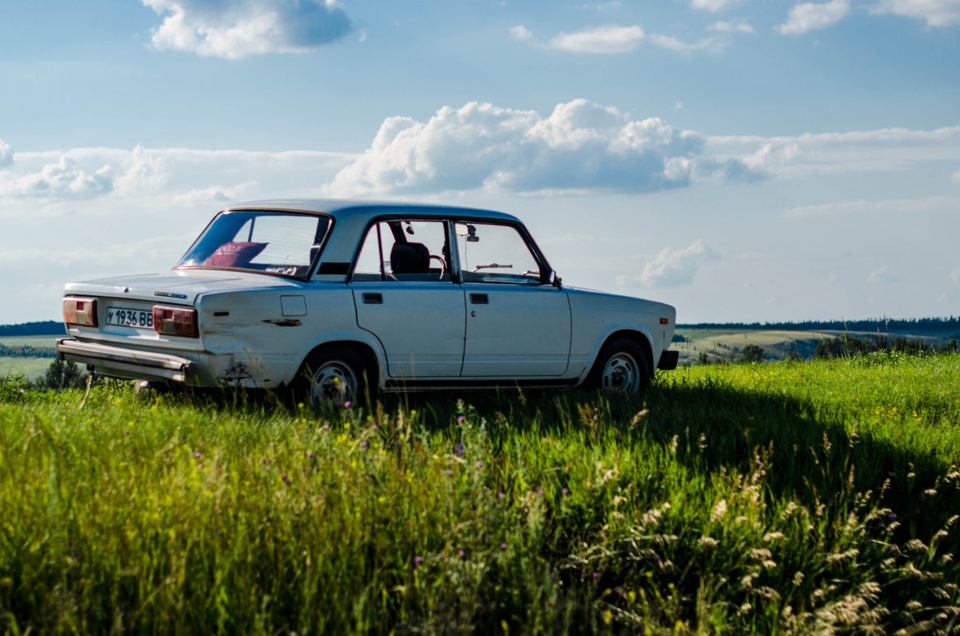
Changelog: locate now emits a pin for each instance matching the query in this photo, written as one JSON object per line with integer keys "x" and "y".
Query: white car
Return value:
{"x": 337, "y": 298}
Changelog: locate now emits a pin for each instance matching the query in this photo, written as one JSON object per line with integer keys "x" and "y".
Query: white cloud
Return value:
{"x": 903, "y": 206}
{"x": 579, "y": 146}
{"x": 521, "y": 33}
{"x": 672, "y": 267}
{"x": 6, "y": 154}
{"x": 955, "y": 177}
{"x": 808, "y": 16}
{"x": 712, "y": 5}
{"x": 936, "y": 13}
{"x": 166, "y": 248}
{"x": 673, "y": 44}
{"x": 237, "y": 28}
{"x": 882, "y": 276}
{"x": 600, "y": 40}
{"x": 65, "y": 179}
{"x": 145, "y": 171}
{"x": 736, "y": 26}
{"x": 886, "y": 149}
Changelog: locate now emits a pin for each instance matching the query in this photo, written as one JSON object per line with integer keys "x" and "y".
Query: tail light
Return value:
{"x": 175, "y": 321}
{"x": 80, "y": 311}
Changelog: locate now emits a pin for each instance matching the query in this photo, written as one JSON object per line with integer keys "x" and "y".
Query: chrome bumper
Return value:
{"x": 124, "y": 363}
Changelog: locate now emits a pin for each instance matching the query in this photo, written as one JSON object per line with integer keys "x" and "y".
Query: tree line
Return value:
{"x": 948, "y": 325}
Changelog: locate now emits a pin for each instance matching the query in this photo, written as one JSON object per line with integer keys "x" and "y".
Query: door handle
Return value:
{"x": 373, "y": 299}
{"x": 479, "y": 299}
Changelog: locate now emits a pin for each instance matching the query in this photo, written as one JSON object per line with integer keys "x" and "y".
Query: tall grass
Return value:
{"x": 794, "y": 498}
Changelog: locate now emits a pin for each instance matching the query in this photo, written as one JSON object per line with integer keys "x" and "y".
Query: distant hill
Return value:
{"x": 45, "y": 328}
{"x": 925, "y": 326}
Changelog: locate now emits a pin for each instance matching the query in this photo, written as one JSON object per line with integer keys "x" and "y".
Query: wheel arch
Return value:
{"x": 640, "y": 338}
{"x": 366, "y": 353}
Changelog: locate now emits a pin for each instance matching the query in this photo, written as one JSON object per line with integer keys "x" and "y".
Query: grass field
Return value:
{"x": 28, "y": 367}
{"x": 816, "y": 497}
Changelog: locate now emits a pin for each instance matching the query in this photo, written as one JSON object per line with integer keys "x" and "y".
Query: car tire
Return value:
{"x": 621, "y": 367}
{"x": 331, "y": 376}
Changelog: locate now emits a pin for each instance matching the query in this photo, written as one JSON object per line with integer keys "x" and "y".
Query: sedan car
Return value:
{"x": 337, "y": 299}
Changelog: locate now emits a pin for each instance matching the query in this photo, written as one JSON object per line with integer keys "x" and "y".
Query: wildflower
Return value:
{"x": 310, "y": 454}
{"x": 286, "y": 479}
{"x": 596, "y": 575}
{"x": 459, "y": 450}
{"x": 364, "y": 445}
{"x": 539, "y": 491}
{"x": 500, "y": 495}
{"x": 564, "y": 491}
{"x": 461, "y": 419}
{"x": 461, "y": 553}
{"x": 418, "y": 560}
{"x": 479, "y": 464}
{"x": 503, "y": 546}
{"x": 347, "y": 404}
{"x": 196, "y": 455}
{"x": 449, "y": 473}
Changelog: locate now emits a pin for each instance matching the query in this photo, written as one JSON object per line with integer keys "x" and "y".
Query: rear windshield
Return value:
{"x": 281, "y": 243}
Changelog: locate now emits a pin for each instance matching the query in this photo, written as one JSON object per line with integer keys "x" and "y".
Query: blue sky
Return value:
{"x": 745, "y": 160}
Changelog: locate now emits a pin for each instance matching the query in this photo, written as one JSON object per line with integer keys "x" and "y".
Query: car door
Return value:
{"x": 404, "y": 294}
{"x": 516, "y": 326}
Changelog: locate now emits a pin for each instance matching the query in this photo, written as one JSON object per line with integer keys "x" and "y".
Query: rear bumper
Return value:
{"x": 125, "y": 363}
{"x": 668, "y": 360}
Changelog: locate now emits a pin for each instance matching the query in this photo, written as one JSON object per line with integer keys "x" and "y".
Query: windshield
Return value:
{"x": 283, "y": 243}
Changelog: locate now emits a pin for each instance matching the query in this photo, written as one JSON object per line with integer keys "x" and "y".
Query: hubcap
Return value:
{"x": 333, "y": 384}
{"x": 621, "y": 374}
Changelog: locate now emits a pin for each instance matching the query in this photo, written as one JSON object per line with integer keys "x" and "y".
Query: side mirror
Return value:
{"x": 554, "y": 280}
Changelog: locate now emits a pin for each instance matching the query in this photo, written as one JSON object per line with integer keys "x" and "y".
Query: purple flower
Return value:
{"x": 460, "y": 419}
{"x": 891, "y": 516}
{"x": 418, "y": 560}
{"x": 310, "y": 454}
{"x": 596, "y": 575}
{"x": 449, "y": 473}
{"x": 364, "y": 445}
{"x": 347, "y": 404}
{"x": 459, "y": 449}
{"x": 500, "y": 495}
{"x": 286, "y": 479}
{"x": 564, "y": 491}
{"x": 196, "y": 455}
{"x": 461, "y": 553}
{"x": 479, "y": 464}
{"x": 539, "y": 491}
{"x": 503, "y": 546}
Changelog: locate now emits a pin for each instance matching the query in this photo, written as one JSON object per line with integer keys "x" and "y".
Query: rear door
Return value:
{"x": 404, "y": 295}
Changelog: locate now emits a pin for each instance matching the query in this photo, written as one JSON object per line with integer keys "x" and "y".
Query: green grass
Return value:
{"x": 779, "y": 498}
{"x": 30, "y": 368}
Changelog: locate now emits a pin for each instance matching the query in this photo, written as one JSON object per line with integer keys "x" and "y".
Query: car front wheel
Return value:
{"x": 330, "y": 377}
{"x": 621, "y": 367}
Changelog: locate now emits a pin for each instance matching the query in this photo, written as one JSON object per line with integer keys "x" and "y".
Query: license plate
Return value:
{"x": 123, "y": 317}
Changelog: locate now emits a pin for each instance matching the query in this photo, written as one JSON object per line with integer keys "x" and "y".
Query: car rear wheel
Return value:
{"x": 621, "y": 367}
{"x": 331, "y": 376}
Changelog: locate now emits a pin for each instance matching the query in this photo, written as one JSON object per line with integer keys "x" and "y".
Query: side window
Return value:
{"x": 495, "y": 254}
{"x": 404, "y": 250}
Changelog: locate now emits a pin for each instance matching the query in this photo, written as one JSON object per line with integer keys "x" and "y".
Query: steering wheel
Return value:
{"x": 443, "y": 264}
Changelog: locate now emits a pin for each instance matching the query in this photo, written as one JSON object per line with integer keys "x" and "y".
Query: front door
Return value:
{"x": 517, "y": 324}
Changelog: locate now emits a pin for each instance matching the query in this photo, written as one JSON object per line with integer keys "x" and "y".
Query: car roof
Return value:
{"x": 343, "y": 209}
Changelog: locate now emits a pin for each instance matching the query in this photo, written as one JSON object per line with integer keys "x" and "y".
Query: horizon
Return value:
{"x": 740, "y": 160}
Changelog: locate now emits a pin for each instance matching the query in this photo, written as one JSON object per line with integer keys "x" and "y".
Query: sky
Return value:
{"x": 743, "y": 160}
